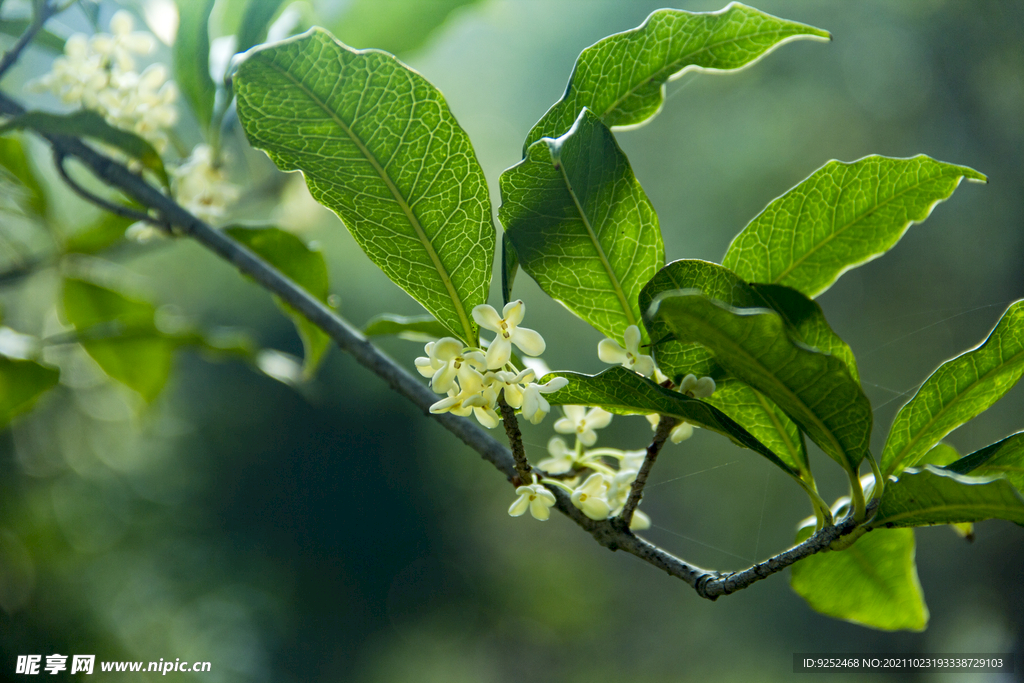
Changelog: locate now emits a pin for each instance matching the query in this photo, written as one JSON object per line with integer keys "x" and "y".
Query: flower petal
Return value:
{"x": 598, "y": 418}
{"x": 487, "y": 318}
{"x": 609, "y": 351}
{"x": 632, "y": 339}
{"x": 529, "y": 341}
{"x": 520, "y": 505}
{"x": 513, "y": 312}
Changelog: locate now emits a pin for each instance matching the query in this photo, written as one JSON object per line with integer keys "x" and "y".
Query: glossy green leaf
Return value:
{"x": 15, "y": 161}
{"x": 843, "y": 215}
{"x": 45, "y": 39}
{"x": 1003, "y": 458}
{"x": 873, "y": 582}
{"x": 815, "y": 389}
{"x": 806, "y": 322}
{"x": 120, "y": 334}
{"x": 932, "y": 495}
{"x": 768, "y": 423}
{"x": 414, "y": 328}
{"x": 304, "y": 266}
{"x": 582, "y": 226}
{"x": 22, "y": 382}
{"x": 378, "y": 146}
{"x": 509, "y": 268}
{"x": 89, "y": 124}
{"x": 192, "y": 57}
{"x": 957, "y": 391}
{"x": 397, "y": 26}
{"x": 622, "y": 78}
{"x": 624, "y": 392}
{"x": 676, "y": 358}
{"x": 255, "y": 22}
{"x": 942, "y": 455}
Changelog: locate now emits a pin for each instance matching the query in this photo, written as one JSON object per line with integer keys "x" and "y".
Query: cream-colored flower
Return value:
{"x": 697, "y": 388}
{"x": 535, "y": 498}
{"x": 562, "y": 457}
{"x": 582, "y": 422}
{"x": 508, "y": 333}
{"x": 513, "y": 385}
{"x": 590, "y": 497}
{"x": 535, "y": 406}
{"x": 445, "y": 360}
{"x": 680, "y": 433}
{"x": 609, "y": 351}
{"x": 202, "y": 187}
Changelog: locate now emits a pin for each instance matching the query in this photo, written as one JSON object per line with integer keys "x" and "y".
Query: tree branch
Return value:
{"x": 609, "y": 533}
{"x": 10, "y": 58}
{"x": 515, "y": 440}
{"x": 636, "y": 491}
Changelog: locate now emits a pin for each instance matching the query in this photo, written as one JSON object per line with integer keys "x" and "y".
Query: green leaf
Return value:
{"x": 304, "y": 266}
{"x": 582, "y": 226}
{"x": 397, "y": 26}
{"x": 932, "y": 495}
{"x": 255, "y": 22}
{"x": 843, "y": 215}
{"x": 764, "y": 420}
{"x": 192, "y": 58}
{"x": 942, "y": 455}
{"x": 873, "y": 582}
{"x": 106, "y": 231}
{"x": 378, "y": 146}
{"x": 89, "y": 124}
{"x": 676, "y": 358}
{"x": 120, "y": 334}
{"x": 807, "y": 322}
{"x": 815, "y": 389}
{"x": 624, "y": 392}
{"x": 414, "y": 328}
{"x": 45, "y": 39}
{"x": 16, "y": 162}
{"x": 1005, "y": 458}
{"x": 957, "y": 391}
{"x": 22, "y": 382}
{"x": 622, "y": 78}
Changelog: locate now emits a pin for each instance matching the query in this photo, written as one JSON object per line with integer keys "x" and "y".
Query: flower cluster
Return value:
{"x": 201, "y": 185}
{"x": 474, "y": 379}
{"x": 98, "y": 73}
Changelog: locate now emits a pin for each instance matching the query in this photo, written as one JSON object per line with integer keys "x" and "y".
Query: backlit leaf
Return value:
{"x": 960, "y": 389}
{"x": 414, "y": 328}
{"x": 622, "y": 78}
{"x": 843, "y": 215}
{"x": 873, "y": 582}
{"x": 378, "y": 145}
{"x": 192, "y": 57}
{"x": 582, "y": 226}
{"x": 22, "y": 382}
{"x": 933, "y": 495}
{"x": 1004, "y": 458}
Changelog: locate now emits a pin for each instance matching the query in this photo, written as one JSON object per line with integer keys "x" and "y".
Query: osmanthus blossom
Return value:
{"x": 202, "y": 187}
{"x": 445, "y": 360}
{"x": 609, "y": 351}
{"x": 582, "y": 422}
{"x": 590, "y": 498}
{"x": 535, "y": 498}
{"x": 694, "y": 388}
{"x": 535, "y": 406}
{"x": 508, "y": 333}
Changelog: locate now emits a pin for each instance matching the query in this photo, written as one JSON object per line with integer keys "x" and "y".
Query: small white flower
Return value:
{"x": 464, "y": 396}
{"x": 121, "y": 43}
{"x": 590, "y": 497}
{"x": 697, "y": 388}
{"x": 562, "y": 457}
{"x": 508, "y": 333}
{"x": 632, "y": 460}
{"x": 639, "y": 522}
{"x": 512, "y": 385}
{"x": 609, "y": 351}
{"x": 445, "y": 361}
{"x": 582, "y": 422}
{"x": 680, "y": 433}
{"x": 535, "y": 406}
{"x": 536, "y": 498}
{"x": 201, "y": 185}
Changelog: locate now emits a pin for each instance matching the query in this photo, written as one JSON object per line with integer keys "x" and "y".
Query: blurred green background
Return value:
{"x": 332, "y": 533}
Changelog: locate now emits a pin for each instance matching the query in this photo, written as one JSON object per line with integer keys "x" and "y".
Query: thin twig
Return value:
{"x": 609, "y": 533}
{"x": 515, "y": 440}
{"x": 10, "y": 58}
{"x": 636, "y": 491}
{"x": 116, "y": 209}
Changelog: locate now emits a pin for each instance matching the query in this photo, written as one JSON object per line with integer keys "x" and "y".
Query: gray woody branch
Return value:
{"x": 614, "y": 536}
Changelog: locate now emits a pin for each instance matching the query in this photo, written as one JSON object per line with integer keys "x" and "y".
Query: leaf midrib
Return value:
{"x": 597, "y": 246}
{"x": 789, "y": 269}
{"x": 816, "y": 421}
{"x": 942, "y": 411}
{"x": 396, "y": 193}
